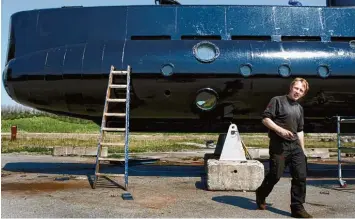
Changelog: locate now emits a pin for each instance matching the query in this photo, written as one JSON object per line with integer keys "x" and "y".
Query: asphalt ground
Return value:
{"x": 46, "y": 186}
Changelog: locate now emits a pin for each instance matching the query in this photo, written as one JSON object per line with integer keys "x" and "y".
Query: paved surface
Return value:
{"x": 46, "y": 186}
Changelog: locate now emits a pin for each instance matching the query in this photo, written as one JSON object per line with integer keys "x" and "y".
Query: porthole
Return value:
{"x": 167, "y": 69}
{"x": 206, "y": 99}
{"x": 323, "y": 71}
{"x": 205, "y": 51}
{"x": 245, "y": 70}
{"x": 352, "y": 44}
{"x": 167, "y": 93}
{"x": 284, "y": 70}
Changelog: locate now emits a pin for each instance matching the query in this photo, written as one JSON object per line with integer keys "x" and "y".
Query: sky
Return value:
{"x": 9, "y": 7}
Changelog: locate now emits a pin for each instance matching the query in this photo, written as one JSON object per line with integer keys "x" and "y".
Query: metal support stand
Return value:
{"x": 341, "y": 119}
{"x": 232, "y": 147}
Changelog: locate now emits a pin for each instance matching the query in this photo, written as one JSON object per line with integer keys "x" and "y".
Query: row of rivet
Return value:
{"x": 246, "y": 70}
{"x": 209, "y": 52}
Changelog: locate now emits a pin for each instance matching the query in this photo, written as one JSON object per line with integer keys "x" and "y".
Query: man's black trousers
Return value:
{"x": 286, "y": 153}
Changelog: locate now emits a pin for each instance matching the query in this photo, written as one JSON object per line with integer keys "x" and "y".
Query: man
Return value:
{"x": 284, "y": 118}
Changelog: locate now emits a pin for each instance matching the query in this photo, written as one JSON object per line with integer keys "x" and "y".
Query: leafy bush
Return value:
{"x": 44, "y": 124}
{"x": 20, "y": 112}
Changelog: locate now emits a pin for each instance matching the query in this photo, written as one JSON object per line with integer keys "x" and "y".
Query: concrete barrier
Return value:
{"x": 79, "y": 151}
{"x": 258, "y": 153}
{"x": 234, "y": 175}
{"x": 317, "y": 152}
{"x": 263, "y": 153}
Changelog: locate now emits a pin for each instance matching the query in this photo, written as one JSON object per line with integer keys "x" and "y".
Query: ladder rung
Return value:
{"x": 115, "y": 114}
{"x": 108, "y": 174}
{"x": 118, "y": 86}
{"x": 114, "y": 129}
{"x": 119, "y": 72}
{"x": 116, "y": 100}
{"x": 111, "y": 159}
{"x": 111, "y": 144}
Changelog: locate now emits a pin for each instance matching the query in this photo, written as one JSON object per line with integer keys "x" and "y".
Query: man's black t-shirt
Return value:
{"x": 286, "y": 113}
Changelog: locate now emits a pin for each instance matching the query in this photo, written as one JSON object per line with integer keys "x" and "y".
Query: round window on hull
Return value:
{"x": 206, "y": 99}
{"x": 352, "y": 44}
{"x": 205, "y": 51}
{"x": 284, "y": 70}
{"x": 245, "y": 70}
{"x": 323, "y": 71}
{"x": 167, "y": 69}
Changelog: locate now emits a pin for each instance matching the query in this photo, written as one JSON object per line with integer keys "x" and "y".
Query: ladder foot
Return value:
{"x": 94, "y": 183}
{"x": 127, "y": 196}
{"x": 342, "y": 183}
{"x": 126, "y": 187}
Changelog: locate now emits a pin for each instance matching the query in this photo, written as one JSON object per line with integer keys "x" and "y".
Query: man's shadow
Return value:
{"x": 246, "y": 203}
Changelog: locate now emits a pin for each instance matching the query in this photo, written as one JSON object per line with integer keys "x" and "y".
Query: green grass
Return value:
{"x": 137, "y": 144}
{"x": 47, "y": 125}
{"x": 36, "y": 150}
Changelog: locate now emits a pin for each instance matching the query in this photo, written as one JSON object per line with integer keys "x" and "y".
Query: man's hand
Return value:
{"x": 286, "y": 134}
{"x": 283, "y": 133}
{"x": 301, "y": 138}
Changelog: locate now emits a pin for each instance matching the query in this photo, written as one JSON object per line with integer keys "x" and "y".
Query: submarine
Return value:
{"x": 195, "y": 68}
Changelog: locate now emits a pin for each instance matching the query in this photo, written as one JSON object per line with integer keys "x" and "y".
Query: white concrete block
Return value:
{"x": 79, "y": 151}
{"x": 317, "y": 152}
{"x": 264, "y": 153}
{"x": 258, "y": 153}
{"x": 92, "y": 151}
{"x": 234, "y": 175}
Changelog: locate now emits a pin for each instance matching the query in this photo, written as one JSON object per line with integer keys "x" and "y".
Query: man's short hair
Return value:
{"x": 303, "y": 81}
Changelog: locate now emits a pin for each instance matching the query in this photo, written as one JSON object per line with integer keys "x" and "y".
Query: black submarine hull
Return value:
{"x": 59, "y": 60}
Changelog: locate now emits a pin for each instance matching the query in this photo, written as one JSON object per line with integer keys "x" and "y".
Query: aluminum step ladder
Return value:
{"x": 104, "y": 128}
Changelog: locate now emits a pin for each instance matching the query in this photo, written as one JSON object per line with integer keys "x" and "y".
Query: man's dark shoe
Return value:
{"x": 260, "y": 201}
{"x": 301, "y": 214}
